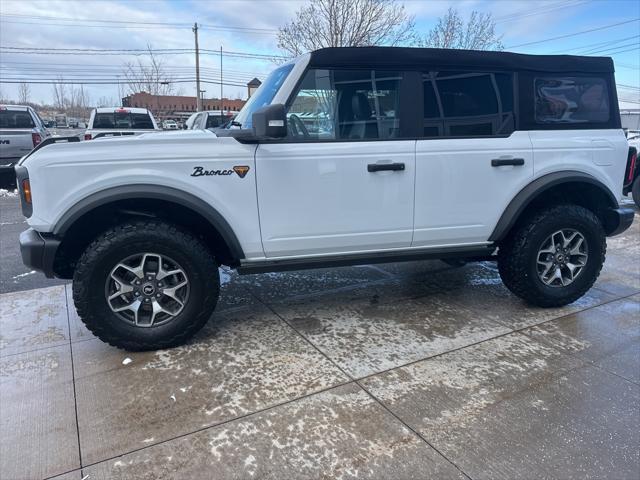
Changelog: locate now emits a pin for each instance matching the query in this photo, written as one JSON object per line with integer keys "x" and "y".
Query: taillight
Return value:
{"x": 632, "y": 165}
{"x": 87, "y": 136}
{"x": 36, "y": 139}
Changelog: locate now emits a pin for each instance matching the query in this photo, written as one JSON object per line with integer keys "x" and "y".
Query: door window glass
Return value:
{"x": 463, "y": 104}
{"x": 346, "y": 105}
{"x": 571, "y": 100}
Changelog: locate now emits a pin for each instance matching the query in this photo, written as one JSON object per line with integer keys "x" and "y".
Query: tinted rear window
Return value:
{"x": 571, "y": 100}
{"x": 122, "y": 121}
{"x": 15, "y": 119}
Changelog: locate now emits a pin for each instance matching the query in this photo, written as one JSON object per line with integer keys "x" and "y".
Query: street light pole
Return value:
{"x": 198, "y": 101}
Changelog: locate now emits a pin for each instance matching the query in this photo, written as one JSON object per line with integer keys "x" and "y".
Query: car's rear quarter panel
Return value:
{"x": 600, "y": 153}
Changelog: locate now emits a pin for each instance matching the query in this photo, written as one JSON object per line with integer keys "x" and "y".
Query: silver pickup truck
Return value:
{"x": 21, "y": 129}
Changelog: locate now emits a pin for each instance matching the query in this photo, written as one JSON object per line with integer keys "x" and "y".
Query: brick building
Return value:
{"x": 178, "y": 107}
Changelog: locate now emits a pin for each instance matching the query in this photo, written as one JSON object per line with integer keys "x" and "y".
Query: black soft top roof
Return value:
{"x": 405, "y": 57}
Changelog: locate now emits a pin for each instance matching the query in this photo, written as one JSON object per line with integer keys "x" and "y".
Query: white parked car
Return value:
{"x": 119, "y": 121}
{"x": 210, "y": 119}
{"x": 342, "y": 156}
{"x": 169, "y": 125}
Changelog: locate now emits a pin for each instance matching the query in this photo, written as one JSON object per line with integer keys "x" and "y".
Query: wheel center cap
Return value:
{"x": 560, "y": 258}
{"x": 148, "y": 289}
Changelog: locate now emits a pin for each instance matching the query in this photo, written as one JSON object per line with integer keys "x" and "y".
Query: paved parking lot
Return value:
{"x": 415, "y": 370}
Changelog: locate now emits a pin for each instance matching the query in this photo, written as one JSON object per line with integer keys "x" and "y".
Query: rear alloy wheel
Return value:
{"x": 555, "y": 256}
{"x": 562, "y": 258}
{"x": 145, "y": 285}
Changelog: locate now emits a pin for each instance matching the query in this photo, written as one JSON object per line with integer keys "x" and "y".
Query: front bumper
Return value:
{"x": 38, "y": 251}
{"x": 618, "y": 220}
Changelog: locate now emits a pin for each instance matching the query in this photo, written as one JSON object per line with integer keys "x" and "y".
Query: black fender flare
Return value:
{"x": 152, "y": 192}
{"x": 538, "y": 186}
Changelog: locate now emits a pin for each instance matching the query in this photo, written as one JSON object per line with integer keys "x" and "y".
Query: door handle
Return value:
{"x": 379, "y": 167}
{"x": 501, "y": 162}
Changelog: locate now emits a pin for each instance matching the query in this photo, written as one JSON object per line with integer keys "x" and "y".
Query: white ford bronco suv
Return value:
{"x": 343, "y": 156}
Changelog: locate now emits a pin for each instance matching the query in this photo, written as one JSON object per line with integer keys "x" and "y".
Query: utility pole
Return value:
{"x": 221, "y": 97}
{"x": 198, "y": 100}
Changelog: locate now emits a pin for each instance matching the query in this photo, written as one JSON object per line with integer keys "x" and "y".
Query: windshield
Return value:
{"x": 264, "y": 95}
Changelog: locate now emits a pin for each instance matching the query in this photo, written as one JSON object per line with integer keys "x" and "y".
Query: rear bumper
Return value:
{"x": 618, "y": 220}
{"x": 38, "y": 251}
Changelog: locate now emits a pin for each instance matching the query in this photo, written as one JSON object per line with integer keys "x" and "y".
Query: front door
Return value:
{"x": 343, "y": 179}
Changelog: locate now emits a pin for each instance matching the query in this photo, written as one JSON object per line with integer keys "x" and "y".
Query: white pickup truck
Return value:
{"x": 119, "y": 121}
{"x": 21, "y": 129}
{"x": 342, "y": 156}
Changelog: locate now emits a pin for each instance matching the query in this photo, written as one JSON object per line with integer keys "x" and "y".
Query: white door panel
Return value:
{"x": 319, "y": 198}
{"x": 459, "y": 194}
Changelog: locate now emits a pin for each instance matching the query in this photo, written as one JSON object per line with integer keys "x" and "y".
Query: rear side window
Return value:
{"x": 467, "y": 104}
{"x": 571, "y": 100}
{"x": 15, "y": 119}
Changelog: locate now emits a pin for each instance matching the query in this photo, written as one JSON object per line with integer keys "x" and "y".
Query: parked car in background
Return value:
{"x": 61, "y": 121}
{"x": 169, "y": 125}
{"x": 209, "y": 119}
{"x": 21, "y": 129}
{"x": 117, "y": 121}
{"x": 73, "y": 122}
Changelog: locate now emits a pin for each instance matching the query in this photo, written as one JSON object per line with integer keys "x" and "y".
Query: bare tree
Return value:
{"x": 106, "y": 102}
{"x": 147, "y": 76}
{"x": 60, "y": 94}
{"x": 24, "y": 93}
{"x": 477, "y": 33}
{"x": 346, "y": 23}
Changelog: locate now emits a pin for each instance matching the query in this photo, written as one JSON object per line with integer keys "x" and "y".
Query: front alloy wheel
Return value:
{"x": 147, "y": 289}
{"x": 145, "y": 285}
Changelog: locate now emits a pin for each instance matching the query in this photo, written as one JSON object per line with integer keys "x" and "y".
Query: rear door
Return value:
{"x": 343, "y": 180}
{"x": 471, "y": 162}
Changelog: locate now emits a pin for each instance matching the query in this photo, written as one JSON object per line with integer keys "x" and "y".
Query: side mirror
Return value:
{"x": 270, "y": 121}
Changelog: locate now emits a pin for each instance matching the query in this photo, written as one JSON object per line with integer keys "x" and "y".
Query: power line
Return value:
{"x": 597, "y": 44}
{"x": 604, "y": 27}
{"x": 540, "y": 11}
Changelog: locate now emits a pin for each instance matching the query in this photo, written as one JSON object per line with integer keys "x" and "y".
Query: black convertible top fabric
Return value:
{"x": 404, "y": 57}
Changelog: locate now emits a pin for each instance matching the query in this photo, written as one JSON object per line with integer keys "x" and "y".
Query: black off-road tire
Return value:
{"x": 635, "y": 191}
{"x": 94, "y": 267}
{"x": 517, "y": 255}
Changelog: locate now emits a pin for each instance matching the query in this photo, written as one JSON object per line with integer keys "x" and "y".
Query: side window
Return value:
{"x": 346, "y": 105}
{"x": 571, "y": 100}
{"x": 468, "y": 104}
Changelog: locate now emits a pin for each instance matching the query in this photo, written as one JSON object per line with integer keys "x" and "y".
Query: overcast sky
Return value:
{"x": 225, "y": 21}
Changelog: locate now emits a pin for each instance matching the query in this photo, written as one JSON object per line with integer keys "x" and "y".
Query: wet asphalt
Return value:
{"x": 412, "y": 370}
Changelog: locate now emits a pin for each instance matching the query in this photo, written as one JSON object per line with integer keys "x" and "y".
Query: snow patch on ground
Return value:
{"x": 8, "y": 193}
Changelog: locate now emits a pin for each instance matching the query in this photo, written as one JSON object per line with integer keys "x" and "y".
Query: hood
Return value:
{"x": 152, "y": 145}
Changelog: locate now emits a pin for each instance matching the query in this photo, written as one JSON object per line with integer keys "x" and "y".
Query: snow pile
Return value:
{"x": 8, "y": 193}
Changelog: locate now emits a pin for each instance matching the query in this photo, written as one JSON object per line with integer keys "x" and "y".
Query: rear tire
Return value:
{"x": 635, "y": 191}
{"x": 552, "y": 279}
{"x": 145, "y": 285}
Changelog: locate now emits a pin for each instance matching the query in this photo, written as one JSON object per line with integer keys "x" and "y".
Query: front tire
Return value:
{"x": 145, "y": 285}
{"x": 554, "y": 257}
